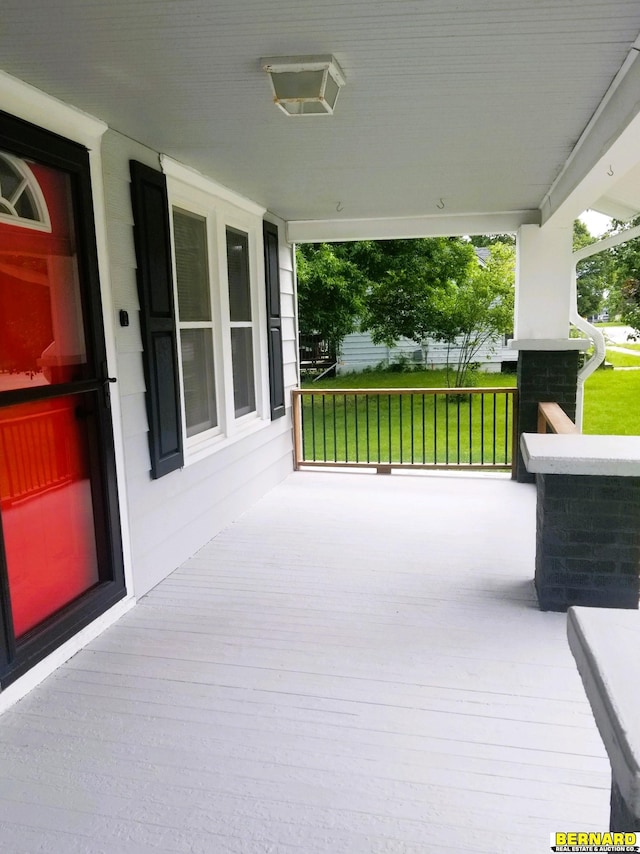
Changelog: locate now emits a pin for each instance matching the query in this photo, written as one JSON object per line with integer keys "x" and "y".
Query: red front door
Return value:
{"x": 60, "y": 543}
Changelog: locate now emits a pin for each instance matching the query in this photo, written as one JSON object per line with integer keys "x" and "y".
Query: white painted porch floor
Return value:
{"x": 356, "y": 666}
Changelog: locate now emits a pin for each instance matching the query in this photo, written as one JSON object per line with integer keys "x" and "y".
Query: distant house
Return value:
{"x": 358, "y": 352}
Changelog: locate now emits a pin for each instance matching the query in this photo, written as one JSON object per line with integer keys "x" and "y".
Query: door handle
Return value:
{"x": 106, "y": 382}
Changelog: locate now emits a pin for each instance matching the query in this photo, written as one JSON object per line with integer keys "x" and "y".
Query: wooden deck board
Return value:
{"x": 370, "y": 677}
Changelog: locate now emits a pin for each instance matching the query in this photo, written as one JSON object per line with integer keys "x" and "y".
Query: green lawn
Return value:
{"x": 414, "y": 379}
{"x": 612, "y": 403}
{"x": 605, "y": 323}
{"x": 623, "y": 360}
{"x": 430, "y": 429}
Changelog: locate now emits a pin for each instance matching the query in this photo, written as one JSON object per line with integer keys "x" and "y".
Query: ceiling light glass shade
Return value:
{"x": 304, "y": 85}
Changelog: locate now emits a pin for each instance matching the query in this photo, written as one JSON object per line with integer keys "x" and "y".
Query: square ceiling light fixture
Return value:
{"x": 304, "y": 85}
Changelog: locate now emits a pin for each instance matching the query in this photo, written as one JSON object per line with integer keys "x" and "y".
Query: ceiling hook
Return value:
{"x": 610, "y": 172}
{"x": 440, "y": 204}
{"x": 339, "y": 207}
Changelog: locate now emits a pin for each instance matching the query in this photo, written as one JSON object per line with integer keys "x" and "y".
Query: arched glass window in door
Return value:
{"x": 21, "y": 199}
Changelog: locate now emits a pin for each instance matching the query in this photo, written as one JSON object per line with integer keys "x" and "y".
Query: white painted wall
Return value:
{"x": 171, "y": 518}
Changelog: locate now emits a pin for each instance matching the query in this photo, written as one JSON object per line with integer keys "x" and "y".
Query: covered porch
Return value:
{"x": 372, "y": 675}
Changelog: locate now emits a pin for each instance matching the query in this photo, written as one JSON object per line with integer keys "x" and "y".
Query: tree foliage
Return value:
{"x": 625, "y": 295}
{"x": 408, "y": 282}
{"x": 478, "y": 308}
{"x": 487, "y": 240}
{"x": 430, "y": 288}
{"x": 330, "y": 293}
{"x": 594, "y": 274}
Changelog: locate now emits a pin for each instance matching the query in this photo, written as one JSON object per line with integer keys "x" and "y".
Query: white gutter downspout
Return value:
{"x": 581, "y": 323}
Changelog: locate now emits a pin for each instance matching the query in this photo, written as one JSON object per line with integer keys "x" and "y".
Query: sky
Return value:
{"x": 597, "y": 223}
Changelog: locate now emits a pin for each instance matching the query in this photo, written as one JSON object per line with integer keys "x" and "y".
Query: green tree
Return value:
{"x": 330, "y": 292}
{"x": 594, "y": 274}
{"x": 487, "y": 240}
{"x": 478, "y": 308}
{"x": 436, "y": 288}
{"x": 409, "y": 280}
{"x": 625, "y": 292}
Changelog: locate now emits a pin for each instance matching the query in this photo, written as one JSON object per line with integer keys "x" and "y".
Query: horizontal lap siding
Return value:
{"x": 171, "y": 518}
{"x": 359, "y": 351}
{"x": 288, "y": 313}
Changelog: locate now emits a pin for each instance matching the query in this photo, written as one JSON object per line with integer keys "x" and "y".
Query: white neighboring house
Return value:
{"x": 359, "y": 352}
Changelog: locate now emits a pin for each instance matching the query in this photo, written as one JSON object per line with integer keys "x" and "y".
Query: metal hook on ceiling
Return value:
{"x": 610, "y": 171}
{"x": 440, "y": 204}
{"x": 339, "y": 207}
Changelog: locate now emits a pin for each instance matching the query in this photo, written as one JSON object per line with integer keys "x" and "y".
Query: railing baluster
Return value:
{"x": 366, "y": 409}
{"x": 470, "y": 430}
{"x": 446, "y": 427}
{"x": 378, "y": 408}
{"x": 355, "y": 415}
{"x": 458, "y": 425}
{"x": 435, "y": 429}
{"x": 412, "y": 440}
{"x": 494, "y": 428}
{"x": 324, "y": 427}
{"x": 401, "y": 436}
{"x": 482, "y": 429}
{"x": 424, "y": 446}
{"x": 303, "y": 432}
{"x": 346, "y": 433}
{"x": 313, "y": 427}
{"x": 506, "y": 428}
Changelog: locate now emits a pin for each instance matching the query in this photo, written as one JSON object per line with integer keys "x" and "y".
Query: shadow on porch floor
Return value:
{"x": 356, "y": 666}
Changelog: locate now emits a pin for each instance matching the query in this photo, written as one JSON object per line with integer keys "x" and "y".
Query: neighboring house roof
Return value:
{"x": 483, "y": 254}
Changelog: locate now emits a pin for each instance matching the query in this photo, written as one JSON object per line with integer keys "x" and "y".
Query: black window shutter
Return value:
{"x": 157, "y": 316}
{"x": 274, "y": 319}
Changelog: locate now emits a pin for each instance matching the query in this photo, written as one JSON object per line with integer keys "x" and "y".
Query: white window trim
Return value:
{"x": 188, "y": 202}
{"x": 221, "y": 208}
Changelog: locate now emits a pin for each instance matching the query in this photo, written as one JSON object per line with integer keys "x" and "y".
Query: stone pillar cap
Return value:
{"x": 579, "y": 453}
{"x": 603, "y": 642}
{"x": 549, "y": 344}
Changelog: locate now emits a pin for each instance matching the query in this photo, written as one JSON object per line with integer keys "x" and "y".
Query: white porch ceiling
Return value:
{"x": 474, "y": 104}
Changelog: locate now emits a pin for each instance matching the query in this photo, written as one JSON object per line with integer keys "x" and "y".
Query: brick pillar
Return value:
{"x": 587, "y": 541}
{"x": 544, "y": 375}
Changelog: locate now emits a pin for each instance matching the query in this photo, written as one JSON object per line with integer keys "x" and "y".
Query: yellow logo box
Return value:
{"x": 594, "y": 842}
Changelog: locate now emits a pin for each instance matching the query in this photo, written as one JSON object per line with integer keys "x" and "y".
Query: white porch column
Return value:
{"x": 543, "y": 284}
{"x": 548, "y": 359}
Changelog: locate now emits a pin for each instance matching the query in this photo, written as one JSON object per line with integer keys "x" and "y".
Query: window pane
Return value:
{"x": 238, "y": 270}
{"x": 192, "y": 274}
{"x": 242, "y": 356}
{"x": 198, "y": 380}
{"x": 41, "y": 324}
{"x": 10, "y": 179}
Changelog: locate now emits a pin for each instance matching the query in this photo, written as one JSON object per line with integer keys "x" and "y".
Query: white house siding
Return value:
{"x": 359, "y": 352}
{"x": 172, "y": 517}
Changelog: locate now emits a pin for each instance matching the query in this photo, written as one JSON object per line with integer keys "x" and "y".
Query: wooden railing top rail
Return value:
{"x": 379, "y": 391}
{"x": 552, "y": 415}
